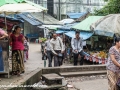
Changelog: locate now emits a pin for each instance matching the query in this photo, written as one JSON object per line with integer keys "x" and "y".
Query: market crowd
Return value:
{"x": 55, "y": 47}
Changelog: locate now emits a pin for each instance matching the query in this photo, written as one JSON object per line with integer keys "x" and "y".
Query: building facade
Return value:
{"x": 59, "y": 8}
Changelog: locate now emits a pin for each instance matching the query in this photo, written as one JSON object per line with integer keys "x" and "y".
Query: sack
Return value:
{"x": 118, "y": 83}
{"x": 44, "y": 57}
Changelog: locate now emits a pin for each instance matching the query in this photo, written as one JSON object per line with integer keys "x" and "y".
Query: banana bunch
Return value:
{"x": 102, "y": 54}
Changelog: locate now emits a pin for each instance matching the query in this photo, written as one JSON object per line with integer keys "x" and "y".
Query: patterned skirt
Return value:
{"x": 18, "y": 61}
{"x": 112, "y": 80}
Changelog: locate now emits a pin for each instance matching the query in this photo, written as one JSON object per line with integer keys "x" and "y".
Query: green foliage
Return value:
{"x": 105, "y": 0}
{"x": 113, "y": 7}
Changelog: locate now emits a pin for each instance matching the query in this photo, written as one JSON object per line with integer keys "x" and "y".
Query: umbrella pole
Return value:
{"x": 5, "y": 22}
{"x": 43, "y": 16}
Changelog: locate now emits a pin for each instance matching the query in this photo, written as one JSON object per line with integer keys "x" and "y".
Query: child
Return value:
{"x": 25, "y": 49}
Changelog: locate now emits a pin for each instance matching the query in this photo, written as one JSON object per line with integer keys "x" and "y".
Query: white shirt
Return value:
{"x": 47, "y": 45}
{"x": 77, "y": 44}
{"x": 56, "y": 44}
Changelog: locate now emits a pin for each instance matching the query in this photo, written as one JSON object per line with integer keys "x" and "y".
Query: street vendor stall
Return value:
{"x": 97, "y": 45}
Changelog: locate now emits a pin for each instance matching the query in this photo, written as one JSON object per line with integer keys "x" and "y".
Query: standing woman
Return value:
{"x": 113, "y": 65}
{"x": 17, "y": 40}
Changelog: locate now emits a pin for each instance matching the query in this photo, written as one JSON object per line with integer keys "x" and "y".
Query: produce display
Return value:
{"x": 98, "y": 57}
{"x": 42, "y": 39}
{"x": 100, "y": 54}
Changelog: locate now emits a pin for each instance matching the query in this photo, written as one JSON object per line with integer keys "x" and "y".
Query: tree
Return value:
{"x": 112, "y": 7}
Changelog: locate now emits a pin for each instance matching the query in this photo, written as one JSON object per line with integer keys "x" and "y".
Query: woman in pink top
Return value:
{"x": 17, "y": 40}
{"x": 3, "y": 34}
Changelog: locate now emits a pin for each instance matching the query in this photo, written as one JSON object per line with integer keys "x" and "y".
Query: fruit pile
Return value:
{"x": 100, "y": 54}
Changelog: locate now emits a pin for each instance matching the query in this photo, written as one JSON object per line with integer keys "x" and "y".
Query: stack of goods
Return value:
{"x": 98, "y": 57}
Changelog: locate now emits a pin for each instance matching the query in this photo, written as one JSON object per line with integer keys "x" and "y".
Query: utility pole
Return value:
{"x": 59, "y": 10}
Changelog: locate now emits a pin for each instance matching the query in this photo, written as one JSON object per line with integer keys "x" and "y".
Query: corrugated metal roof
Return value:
{"x": 47, "y": 18}
{"x": 29, "y": 18}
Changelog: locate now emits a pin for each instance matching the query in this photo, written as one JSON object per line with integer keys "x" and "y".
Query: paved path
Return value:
{"x": 35, "y": 63}
{"x": 99, "y": 84}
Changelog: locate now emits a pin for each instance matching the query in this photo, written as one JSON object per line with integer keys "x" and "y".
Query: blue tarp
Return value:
{"x": 104, "y": 33}
{"x": 11, "y": 18}
{"x": 1, "y": 61}
{"x": 84, "y": 35}
{"x": 29, "y": 18}
{"x": 67, "y": 26}
{"x": 61, "y": 31}
{"x": 76, "y": 15}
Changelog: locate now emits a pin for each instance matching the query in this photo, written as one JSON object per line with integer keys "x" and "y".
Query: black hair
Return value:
{"x": 26, "y": 38}
{"x": 53, "y": 33}
{"x": 16, "y": 27}
{"x": 77, "y": 32}
{"x": 50, "y": 37}
{"x": 117, "y": 40}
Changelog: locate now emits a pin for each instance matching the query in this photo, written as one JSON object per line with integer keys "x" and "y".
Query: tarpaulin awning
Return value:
{"x": 50, "y": 27}
{"x": 67, "y": 26}
{"x": 61, "y": 31}
{"x": 66, "y": 21}
{"x": 10, "y": 22}
{"x": 11, "y": 18}
{"x": 107, "y": 26}
{"x": 29, "y": 18}
{"x": 76, "y": 15}
{"x": 84, "y": 35}
{"x": 85, "y": 24}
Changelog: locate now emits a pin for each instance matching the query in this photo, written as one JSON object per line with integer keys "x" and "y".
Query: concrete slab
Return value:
{"x": 99, "y": 84}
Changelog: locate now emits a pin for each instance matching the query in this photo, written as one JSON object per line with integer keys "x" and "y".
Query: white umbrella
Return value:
{"x": 17, "y": 8}
{"x": 26, "y": 6}
{"x": 107, "y": 26}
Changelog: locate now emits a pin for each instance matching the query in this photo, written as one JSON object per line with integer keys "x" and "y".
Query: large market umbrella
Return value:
{"x": 18, "y": 6}
{"x": 107, "y": 26}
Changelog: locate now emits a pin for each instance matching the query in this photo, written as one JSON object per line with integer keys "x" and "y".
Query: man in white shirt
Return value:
{"x": 77, "y": 46}
{"x": 57, "y": 48}
{"x": 47, "y": 50}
